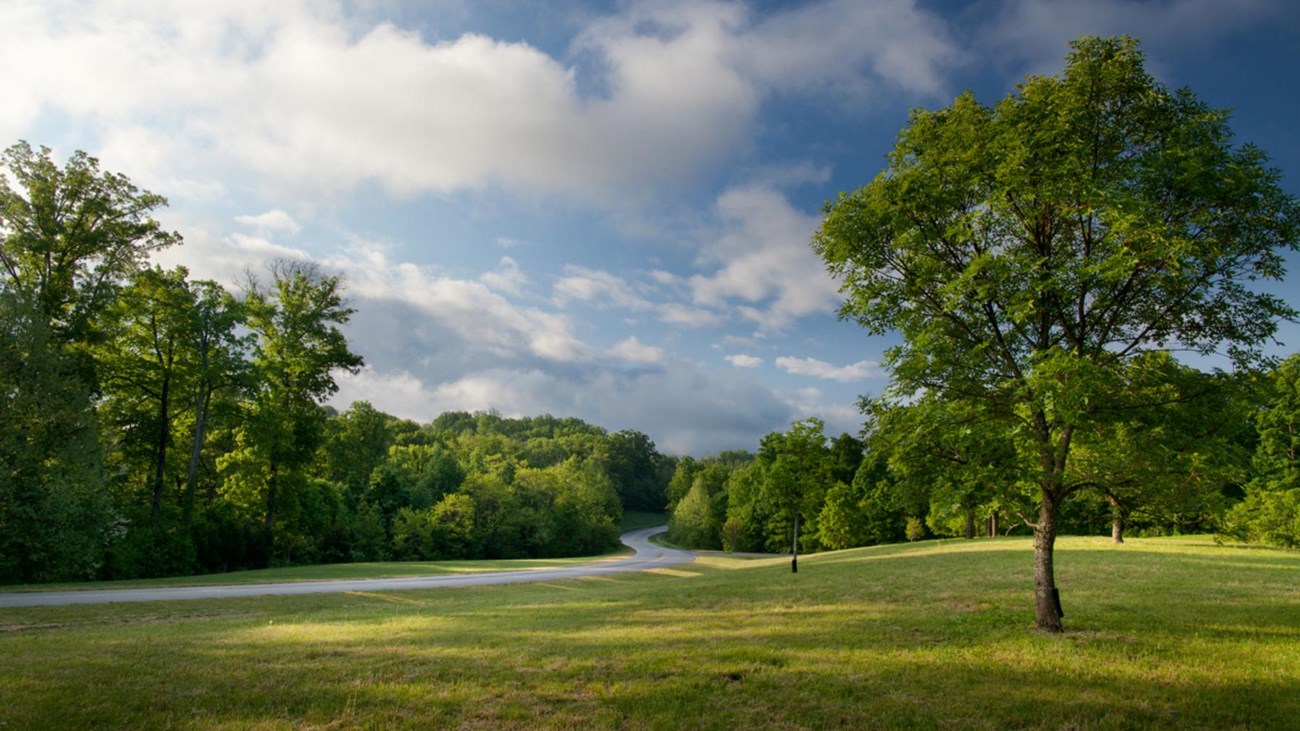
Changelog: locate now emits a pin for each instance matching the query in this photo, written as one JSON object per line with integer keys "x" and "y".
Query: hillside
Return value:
{"x": 1161, "y": 633}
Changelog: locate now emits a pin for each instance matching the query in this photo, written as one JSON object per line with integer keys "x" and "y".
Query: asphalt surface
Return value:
{"x": 648, "y": 556}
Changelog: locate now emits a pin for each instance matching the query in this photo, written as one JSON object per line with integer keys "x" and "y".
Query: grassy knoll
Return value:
{"x": 1162, "y": 633}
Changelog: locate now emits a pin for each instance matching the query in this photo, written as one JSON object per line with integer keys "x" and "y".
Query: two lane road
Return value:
{"x": 648, "y": 556}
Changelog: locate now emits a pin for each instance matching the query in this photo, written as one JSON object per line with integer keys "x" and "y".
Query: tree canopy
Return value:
{"x": 69, "y": 235}
{"x": 1025, "y": 251}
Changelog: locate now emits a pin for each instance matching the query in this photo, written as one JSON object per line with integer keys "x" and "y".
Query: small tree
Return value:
{"x": 796, "y": 473}
{"x": 1024, "y": 251}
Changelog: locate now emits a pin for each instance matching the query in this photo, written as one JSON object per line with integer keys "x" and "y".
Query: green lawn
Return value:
{"x": 1161, "y": 633}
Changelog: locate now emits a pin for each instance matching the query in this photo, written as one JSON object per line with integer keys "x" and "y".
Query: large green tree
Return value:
{"x": 1166, "y": 460}
{"x": 953, "y": 455}
{"x": 146, "y": 365}
{"x": 1025, "y": 250}
{"x": 632, "y": 462}
{"x": 69, "y": 236}
{"x": 298, "y": 349}
{"x": 54, "y": 512}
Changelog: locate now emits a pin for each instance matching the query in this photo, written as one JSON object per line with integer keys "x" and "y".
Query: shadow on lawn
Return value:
{"x": 842, "y": 645}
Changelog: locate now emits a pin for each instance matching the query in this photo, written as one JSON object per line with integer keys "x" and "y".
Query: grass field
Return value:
{"x": 1161, "y": 633}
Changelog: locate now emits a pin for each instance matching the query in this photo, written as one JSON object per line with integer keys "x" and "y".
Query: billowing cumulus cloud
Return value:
{"x": 635, "y": 351}
{"x": 742, "y": 360}
{"x": 307, "y": 96}
{"x": 821, "y": 369}
{"x": 849, "y": 47}
{"x": 508, "y": 279}
{"x": 763, "y": 260}
{"x": 589, "y": 286}
{"x": 272, "y": 221}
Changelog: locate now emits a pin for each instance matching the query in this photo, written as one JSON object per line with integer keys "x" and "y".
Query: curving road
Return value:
{"x": 648, "y": 556}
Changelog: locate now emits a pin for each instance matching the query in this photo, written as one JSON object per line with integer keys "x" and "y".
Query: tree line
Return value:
{"x": 1205, "y": 454}
{"x": 155, "y": 424}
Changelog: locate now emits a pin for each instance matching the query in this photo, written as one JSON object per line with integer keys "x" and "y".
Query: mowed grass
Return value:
{"x": 1161, "y": 633}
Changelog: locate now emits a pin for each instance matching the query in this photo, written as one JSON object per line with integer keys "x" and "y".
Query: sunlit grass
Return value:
{"x": 1165, "y": 633}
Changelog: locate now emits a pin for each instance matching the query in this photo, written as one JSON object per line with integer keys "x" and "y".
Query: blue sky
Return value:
{"x": 586, "y": 209}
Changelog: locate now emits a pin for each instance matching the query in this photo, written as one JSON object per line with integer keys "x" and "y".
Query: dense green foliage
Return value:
{"x": 1271, "y": 511}
{"x": 1029, "y": 252}
{"x": 152, "y": 424}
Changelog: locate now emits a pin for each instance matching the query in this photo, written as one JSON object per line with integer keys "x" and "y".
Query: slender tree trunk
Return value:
{"x": 201, "y": 407}
{"x": 1116, "y": 520}
{"x": 1046, "y": 596}
{"x": 794, "y": 562}
{"x": 160, "y": 459}
{"x": 970, "y": 523}
{"x": 993, "y": 524}
{"x": 270, "y": 497}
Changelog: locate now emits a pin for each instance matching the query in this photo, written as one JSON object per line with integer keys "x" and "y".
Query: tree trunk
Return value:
{"x": 1116, "y": 520}
{"x": 164, "y": 436}
{"x": 201, "y": 407}
{"x": 993, "y": 524}
{"x": 794, "y": 561}
{"x": 270, "y": 498}
{"x": 1046, "y": 595}
{"x": 970, "y": 523}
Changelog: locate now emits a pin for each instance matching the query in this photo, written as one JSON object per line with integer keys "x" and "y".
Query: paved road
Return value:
{"x": 648, "y": 556}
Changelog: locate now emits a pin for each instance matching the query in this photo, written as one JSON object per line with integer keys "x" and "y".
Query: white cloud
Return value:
{"x": 597, "y": 287}
{"x": 821, "y": 369}
{"x": 274, "y": 220}
{"x": 208, "y": 254}
{"x": 675, "y": 313}
{"x": 763, "y": 259}
{"x": 510, "y": 279}
{"x": 299, "y": 95}
{"x": 634, "y": 351}
{"x": 849, "y": 46}
{"x": 320, "y": 97}
{"x": 741, "y": 360}
{"x": 668, "y": 279}
{"x": 839, "y": 417}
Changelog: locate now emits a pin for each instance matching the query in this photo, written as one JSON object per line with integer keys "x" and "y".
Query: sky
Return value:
{"x": 590, "y": 209}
